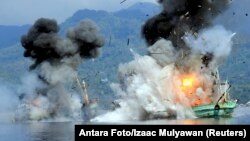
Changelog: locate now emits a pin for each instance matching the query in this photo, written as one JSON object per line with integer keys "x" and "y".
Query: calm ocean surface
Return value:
{"x": 64, "y": 131}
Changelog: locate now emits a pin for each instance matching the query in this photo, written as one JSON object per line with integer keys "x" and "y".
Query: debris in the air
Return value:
{"x": 122, "y": 1}
{"x": 110, "y": 38}
{"x": 128, "y": 42}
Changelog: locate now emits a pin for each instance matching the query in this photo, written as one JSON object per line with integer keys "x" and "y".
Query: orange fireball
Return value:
{"x": 189, "y": 84}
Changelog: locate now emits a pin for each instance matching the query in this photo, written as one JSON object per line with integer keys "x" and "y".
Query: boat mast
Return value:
{"x": 223, "y": 93}
{"x": 83, "y": 91}
{"x": 218, "y": 79}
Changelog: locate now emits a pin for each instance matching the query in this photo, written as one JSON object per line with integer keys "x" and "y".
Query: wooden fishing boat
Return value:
{"x": 224, "y": 109}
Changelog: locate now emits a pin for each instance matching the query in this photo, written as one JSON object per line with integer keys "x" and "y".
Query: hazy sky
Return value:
{"x": 18, "y": 12}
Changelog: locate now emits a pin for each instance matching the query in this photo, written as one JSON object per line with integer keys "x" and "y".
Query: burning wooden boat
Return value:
{"x": 223, "y": 108}
{"x": 215, "y": 110}
{"x": 217, "y": 104}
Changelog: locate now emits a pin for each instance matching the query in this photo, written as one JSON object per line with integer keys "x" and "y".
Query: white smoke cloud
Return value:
{"x": 153, "y": 86}
{"x": 216, "y": 40}
{"x": 164, "y": 52}
{"x": 57, "y": 73}
{"x": 29, "y": 83}
{"x": 33, "y": 99}
{"x": 147, "y": 91}
{"x": 8, "y": 104}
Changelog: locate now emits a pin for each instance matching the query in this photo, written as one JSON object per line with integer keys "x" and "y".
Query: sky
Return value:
{"x": 19, "y": 12}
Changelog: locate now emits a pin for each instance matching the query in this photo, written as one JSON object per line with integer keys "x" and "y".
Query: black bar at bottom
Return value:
{"x": 213, "y": 132}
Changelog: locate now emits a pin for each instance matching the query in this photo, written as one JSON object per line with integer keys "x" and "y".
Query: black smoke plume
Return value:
{"x": 56, "y": 59}
{"x": 86, "y": 38}
{"x": 179, "y": 17}
{"x": 42, "y": 42}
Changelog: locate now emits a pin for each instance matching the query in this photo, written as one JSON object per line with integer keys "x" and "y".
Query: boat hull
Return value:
{"x": 212, "y": 110}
